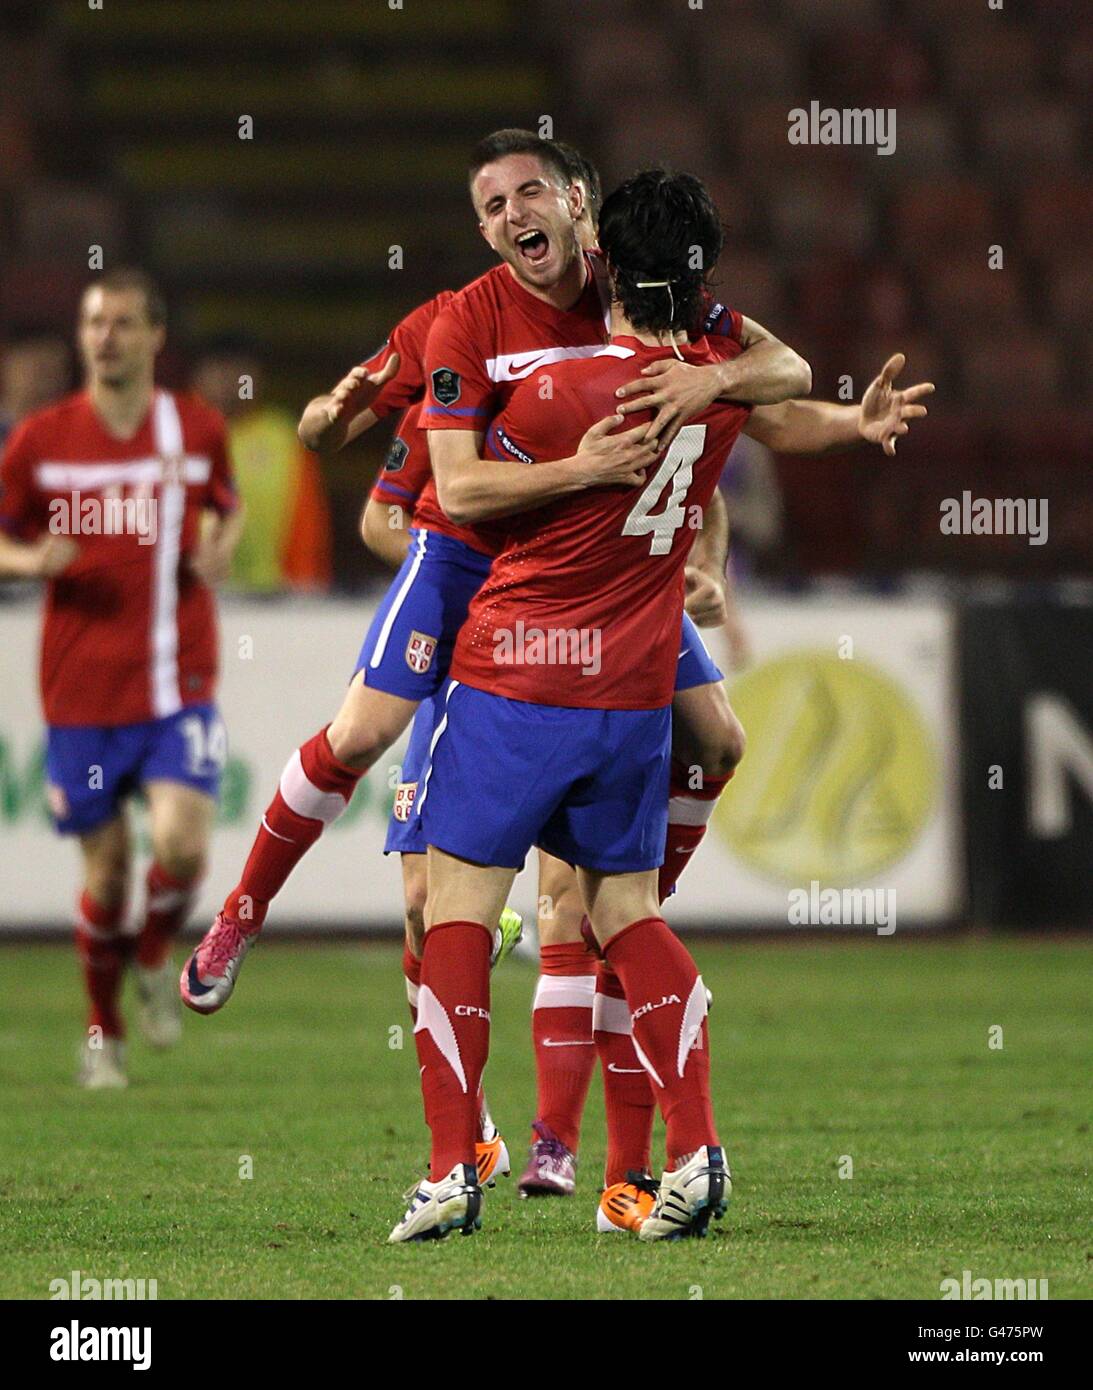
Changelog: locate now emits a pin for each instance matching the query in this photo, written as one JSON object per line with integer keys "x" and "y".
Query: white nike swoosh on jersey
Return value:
{"x": 549, "y": 1042}
{"x": 626, "y": 1071}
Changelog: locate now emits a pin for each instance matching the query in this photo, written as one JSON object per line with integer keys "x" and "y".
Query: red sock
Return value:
{"x": 453, "y": 1037}
{"x": 411, "y": 969}
{"x": 315, "y": 789}
{"x": 168, "y": 900}
{"x": 561, "y": 1027}
{"x": 103, "y": 952}
{"x": 627, "y": 1091}
{"x": 667, "y": 1002}
{"x": 689, "y": 812}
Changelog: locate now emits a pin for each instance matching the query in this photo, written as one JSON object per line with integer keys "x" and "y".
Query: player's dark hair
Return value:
{"x": 661, "y": 227}
{"x": 580, "y": 167}
{"x": 133, "y": 278}
{"x": 516, "y": 141}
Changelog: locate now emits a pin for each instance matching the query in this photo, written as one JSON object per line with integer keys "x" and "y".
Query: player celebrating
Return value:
{"x": 120, "y": 497}
{"x": 593, "y": 584}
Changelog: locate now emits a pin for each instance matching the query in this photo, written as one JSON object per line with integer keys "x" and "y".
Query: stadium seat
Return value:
{"x": 989, "y": 58}
{"x": 931, "y": 212}
{"x": 1027, "y": 136}
{"x": 964, "y": 291}
{"x": 1027, "y": 369}
{"x": 1055, "y": 213}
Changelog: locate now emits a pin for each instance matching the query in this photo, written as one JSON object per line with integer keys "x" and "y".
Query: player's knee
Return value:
{"x": 355, "y": 743}
{"x": 180, "y": 854}
{"x": 722, "y": 747}
{"x": 107, "y": 882}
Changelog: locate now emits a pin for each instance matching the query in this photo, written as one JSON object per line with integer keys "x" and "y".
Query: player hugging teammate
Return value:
{"x": 466, "y": 475}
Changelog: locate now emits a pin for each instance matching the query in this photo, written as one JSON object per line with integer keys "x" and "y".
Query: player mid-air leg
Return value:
{"x": 316, "y": 786}
{"x": 403, "y": 661}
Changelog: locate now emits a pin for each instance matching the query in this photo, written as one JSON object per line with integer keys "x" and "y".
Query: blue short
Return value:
{"x": 404, "y": 830}
{"x": 589, "y": 786}
{"x": 696, "y": 665}
{"x": 408, "y": 649}
{"x": 90, "y": 769}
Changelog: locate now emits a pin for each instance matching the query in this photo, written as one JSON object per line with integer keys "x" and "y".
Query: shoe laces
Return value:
{"x": 644, "y": 1182}
{"x": 226, "y": 943}
{"x": 548, "y": 1146}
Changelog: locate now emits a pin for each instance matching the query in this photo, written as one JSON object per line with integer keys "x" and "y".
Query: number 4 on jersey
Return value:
{"x": 678, "y": 466}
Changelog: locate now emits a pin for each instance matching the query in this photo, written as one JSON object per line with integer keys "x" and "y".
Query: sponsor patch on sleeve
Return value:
{"x": 396, "y": 455}
{"x": 446, "y": 386}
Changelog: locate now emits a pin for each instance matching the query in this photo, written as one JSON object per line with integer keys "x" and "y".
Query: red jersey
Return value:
{"x": 407, "y": 339}
{"x": 129, "y": 632}
{"x": 489, "y": 339}
{"x": 584, "y": 604}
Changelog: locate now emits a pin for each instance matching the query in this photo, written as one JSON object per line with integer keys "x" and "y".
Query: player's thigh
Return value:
{"x": 106, "y": 852}
{"x": 614, "y": 901}
{"x": 180, "y": 823}
{"x": 706, "y": 733}
{"x": 460, "y": 891}
{"x": 367, "y": 724}
{"x": 560, "y": 906}
{"x": 415, "y": 889}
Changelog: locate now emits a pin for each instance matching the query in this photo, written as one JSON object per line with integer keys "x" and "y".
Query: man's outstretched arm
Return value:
{"x": 811, "y": 427}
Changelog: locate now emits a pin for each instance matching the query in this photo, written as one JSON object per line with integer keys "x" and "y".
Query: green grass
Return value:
{"x": 963, "y": 1157}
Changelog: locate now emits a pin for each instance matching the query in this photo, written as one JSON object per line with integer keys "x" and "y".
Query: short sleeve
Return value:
{"x": 459, "y": 394}
{"x": 406, "y": 466}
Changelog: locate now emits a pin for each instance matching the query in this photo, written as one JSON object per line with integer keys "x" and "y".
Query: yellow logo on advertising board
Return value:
{"x": 840, "y": 773}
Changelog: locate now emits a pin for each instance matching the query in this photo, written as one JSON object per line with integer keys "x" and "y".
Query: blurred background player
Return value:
{"x": 120, "y": 498}
{"x": 287, "y": 540}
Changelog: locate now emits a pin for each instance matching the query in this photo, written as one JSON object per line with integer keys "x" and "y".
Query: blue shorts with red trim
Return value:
{"x": 91, "y": 768}
{"x": 408, "y": 648}
{"x": 589, "y": 786}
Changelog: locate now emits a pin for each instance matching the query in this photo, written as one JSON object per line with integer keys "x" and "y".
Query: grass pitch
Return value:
{"x": 963, "y": 1156}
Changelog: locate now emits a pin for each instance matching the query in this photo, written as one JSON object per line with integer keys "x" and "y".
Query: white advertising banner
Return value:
{"x": 849, "y": 780}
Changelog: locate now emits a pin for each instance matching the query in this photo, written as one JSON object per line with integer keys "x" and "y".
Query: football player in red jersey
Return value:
{"x": 120, "y": 498}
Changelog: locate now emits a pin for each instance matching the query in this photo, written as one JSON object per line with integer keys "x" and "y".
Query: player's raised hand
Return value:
{"x": 885, "y": 408}
{"x": 53, "y": 555}
{"x": 359, "y": 387}
{"x": 674, "y": 391}
{"x": 610, "y": 460}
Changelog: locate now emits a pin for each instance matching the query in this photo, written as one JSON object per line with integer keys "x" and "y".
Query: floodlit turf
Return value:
{"x": 963, "y": 1157}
